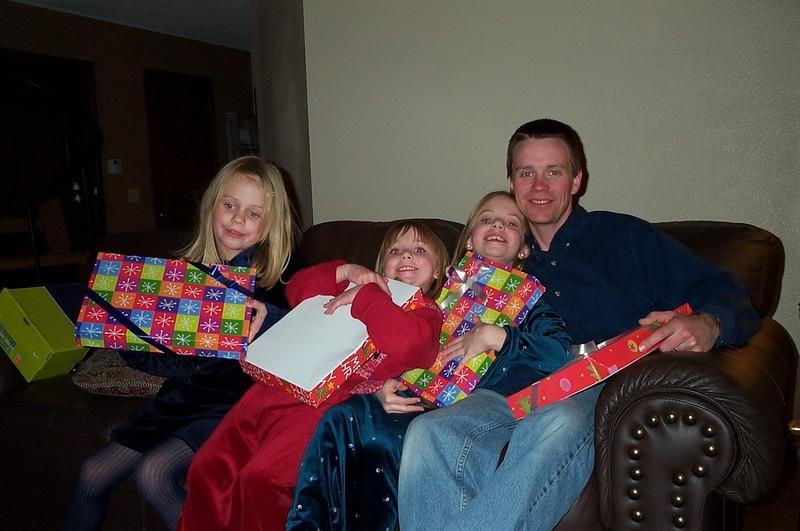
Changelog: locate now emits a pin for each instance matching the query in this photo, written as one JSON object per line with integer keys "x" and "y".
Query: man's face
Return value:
{"x": 543, "y": 184}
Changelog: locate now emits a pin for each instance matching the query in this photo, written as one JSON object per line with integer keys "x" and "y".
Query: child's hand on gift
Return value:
{"x": 343, "y": 299}
{"x": 360, "y": 275}
{"x": 481, "y": 338}
{"x": 259, "y": 315}
{"x": 394, "y": 403}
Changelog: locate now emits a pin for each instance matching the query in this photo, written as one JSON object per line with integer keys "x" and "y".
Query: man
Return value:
{"x": 605, "y": 273}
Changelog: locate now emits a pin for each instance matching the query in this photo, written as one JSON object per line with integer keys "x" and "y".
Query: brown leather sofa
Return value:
{"x": 682, "y": 440}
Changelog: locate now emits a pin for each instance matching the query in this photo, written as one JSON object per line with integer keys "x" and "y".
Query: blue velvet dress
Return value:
{"x": 348, "y": 475}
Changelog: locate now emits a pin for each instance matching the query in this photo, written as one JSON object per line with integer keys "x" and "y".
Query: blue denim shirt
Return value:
{"x": 604, "y": 271}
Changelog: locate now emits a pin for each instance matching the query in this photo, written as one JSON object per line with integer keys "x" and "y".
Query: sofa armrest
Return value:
{"x": 675, "y": 427}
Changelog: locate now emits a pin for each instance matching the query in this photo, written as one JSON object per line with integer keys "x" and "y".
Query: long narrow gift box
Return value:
{"x": 478, "y": 290}
{"x": 166, "y": 305}
{"x": 310, "y": 354}
{"x": 610, "y": 357}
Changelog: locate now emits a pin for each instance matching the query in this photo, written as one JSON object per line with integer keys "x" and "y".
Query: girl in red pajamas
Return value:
{"x": 241, "y": 478}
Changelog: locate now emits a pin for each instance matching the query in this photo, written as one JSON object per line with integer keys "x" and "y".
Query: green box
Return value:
{"x": 36, "y": 334}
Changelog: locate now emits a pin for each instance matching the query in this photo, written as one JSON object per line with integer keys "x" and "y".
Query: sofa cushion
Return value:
{"x": 104, "y": 372}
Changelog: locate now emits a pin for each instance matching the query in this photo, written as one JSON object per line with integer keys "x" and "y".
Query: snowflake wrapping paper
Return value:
{"x": 166, "y": 305}
{"x": 585, "y": 371}
{"x": 479, "y": 289}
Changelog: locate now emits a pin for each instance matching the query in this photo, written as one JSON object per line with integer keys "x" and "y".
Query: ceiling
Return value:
{"x": 223, "y": 22}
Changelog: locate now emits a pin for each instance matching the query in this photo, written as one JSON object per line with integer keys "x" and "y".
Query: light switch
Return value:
{"x": 114, "y": 166}
{"x": 133, "y": 195}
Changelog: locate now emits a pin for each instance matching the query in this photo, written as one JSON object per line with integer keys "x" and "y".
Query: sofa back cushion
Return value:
{"x": 754, "y": 256}
{"x": 751, "y": 254}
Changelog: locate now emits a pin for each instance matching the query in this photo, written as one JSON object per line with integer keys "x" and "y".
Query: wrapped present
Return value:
{"x": 311, "y": 366}
{"x": 477, "y": 290}
{"x": 36, "y": 333}
{"x": 166, "y": 305}
{"x": 590, "y": 368}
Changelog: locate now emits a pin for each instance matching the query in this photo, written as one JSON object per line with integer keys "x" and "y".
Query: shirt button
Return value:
{"x": 553, "y": 263}
{"x": 558, "y": 293}
{"x": 566, "y": 244}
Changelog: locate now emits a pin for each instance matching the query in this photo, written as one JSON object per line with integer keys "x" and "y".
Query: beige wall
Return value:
{"x": 120, "y": 54}
{"x": 688, "y": 110}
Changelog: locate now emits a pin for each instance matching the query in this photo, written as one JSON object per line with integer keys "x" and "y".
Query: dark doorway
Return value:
{"x": 51, "y": 207}
{"x": 182, "y": 140}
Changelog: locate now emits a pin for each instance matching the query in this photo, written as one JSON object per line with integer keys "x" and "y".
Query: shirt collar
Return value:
{"x": 568, "y": 231}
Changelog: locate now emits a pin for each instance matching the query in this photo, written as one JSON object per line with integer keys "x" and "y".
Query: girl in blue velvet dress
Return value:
{"x": 245, "y": 220}
{"x": 348, "y": 476}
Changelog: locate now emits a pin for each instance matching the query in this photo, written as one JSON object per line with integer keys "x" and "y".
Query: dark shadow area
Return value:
{"x": 51, "y": 209}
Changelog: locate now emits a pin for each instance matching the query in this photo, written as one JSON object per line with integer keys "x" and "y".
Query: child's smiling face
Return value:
{"x": 410, "y": 260}
{"x": 499, "y": 231}
{"x": 237, "y": 220}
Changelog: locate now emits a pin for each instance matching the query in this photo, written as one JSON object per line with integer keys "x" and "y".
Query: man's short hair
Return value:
{"x": 548, "y": 128}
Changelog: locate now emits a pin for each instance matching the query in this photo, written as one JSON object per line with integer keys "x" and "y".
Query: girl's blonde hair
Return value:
{"x": 270, "y": 256}
{"x": 472, "y": 220}
{"x": 424, "y": 234}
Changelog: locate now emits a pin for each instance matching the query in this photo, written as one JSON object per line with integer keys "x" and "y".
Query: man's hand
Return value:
{"x": 259, "y": 314}
{"x": 481, "y": 338}
{"x": 343, "y": 299}
{"x": 694, "y": 333}
{"x": 394, "y": 403}
{"x": 359, "y": 275}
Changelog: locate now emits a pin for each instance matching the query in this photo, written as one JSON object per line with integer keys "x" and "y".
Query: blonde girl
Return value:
{"x": 244, "y": 219}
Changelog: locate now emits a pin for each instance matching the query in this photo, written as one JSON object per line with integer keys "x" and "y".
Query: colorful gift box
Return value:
{"x": 478, "y": 289}
{"x": 166, "y": 305}
{"x": 610, "y": 357}
{"x": 36, "y": 333}
{"x": 311, "y": 366}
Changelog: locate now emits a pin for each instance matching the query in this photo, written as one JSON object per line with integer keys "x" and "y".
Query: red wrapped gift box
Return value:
{"x": 584, "y": 372}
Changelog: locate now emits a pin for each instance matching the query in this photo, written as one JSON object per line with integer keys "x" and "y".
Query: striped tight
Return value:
{"x": 156, "y": 474}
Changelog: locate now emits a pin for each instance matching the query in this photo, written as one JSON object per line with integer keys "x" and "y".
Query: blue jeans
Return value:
{"x": 449, "y": 478}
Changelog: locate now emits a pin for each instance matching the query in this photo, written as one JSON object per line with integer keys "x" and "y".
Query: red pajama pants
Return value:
{"x": 241, "y": 478}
